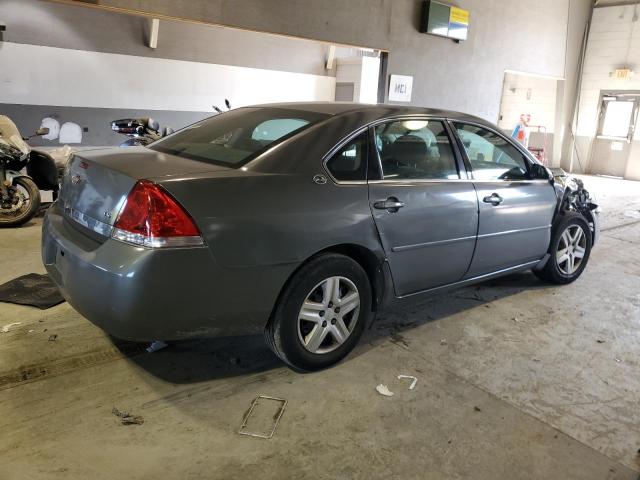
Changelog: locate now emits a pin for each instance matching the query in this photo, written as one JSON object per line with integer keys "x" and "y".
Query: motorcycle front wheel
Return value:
{"x": 22, "y": 205}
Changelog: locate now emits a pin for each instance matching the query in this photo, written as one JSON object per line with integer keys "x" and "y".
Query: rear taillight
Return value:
{"x": 150, "y": 217}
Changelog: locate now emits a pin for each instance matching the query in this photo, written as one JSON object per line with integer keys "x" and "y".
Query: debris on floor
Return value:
{"x": 410, "y": 377}
{"x": 384, "y": 390}
{"x": 617, "y": 360}
{"x": 126, "y": 418}
{"x": 52, "y": 338}
{"x": 599, "y": 340}
{"x": 157, "y": 345}
{"x": 477, "y": 409}
{"x": 263, "y": 417}
{"x": 6, "y": 328}
{"x": 443, "y": 341}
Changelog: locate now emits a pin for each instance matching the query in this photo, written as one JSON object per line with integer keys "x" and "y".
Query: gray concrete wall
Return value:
{"x": 533, "y": 36}
{"x": 42, "y": 23}
{"x": 34, "y": 22}
{"x": 96, "y": 121}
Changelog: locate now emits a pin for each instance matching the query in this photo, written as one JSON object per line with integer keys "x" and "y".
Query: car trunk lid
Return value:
{"x": 96, "y": 183}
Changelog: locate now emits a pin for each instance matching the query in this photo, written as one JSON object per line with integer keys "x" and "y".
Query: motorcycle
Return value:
{"x": 141, "y": 131}
{"x": 19, "y": 192}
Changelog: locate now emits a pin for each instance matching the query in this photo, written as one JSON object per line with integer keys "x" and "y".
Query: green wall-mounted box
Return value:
{"x": 444, "y": 20}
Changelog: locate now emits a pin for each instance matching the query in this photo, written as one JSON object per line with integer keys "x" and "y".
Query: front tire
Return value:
{"x": 23, "y": 205}
{"x": 569, "y": 250}
{"x": 321, "y": 313}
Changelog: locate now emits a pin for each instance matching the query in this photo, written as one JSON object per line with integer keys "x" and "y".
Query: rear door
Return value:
{"x": 426, "y": 214}
{"x": 515, "y": 210}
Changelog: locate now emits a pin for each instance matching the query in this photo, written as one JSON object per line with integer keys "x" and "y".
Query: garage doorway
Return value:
{"x": 617, "y": 119}
{"x": 531, "y": 100}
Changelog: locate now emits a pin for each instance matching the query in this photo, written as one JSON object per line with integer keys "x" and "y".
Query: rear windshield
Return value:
{"x": 234, "y": 138}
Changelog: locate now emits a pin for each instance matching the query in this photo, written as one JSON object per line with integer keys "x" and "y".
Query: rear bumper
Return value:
{"x": 143, "y": 294}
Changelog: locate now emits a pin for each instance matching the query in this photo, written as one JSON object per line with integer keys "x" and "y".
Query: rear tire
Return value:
{"x": 321, "y": 313}
{"x": 569, "y": 250}
{"x": 31, "y": 204}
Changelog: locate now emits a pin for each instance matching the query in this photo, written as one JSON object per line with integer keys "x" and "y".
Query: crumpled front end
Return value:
{"x": 573, "y": 197}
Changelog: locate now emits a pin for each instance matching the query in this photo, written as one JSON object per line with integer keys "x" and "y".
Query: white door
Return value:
{"x": 616, "y": 127}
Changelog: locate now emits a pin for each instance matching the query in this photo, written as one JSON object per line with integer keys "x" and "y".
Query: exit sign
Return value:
{"x": 622, "y": 73}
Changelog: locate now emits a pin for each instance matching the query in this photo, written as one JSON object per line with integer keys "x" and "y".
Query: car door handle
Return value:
{"x": 494, "y": 199}
{"x": 391, "y": 204}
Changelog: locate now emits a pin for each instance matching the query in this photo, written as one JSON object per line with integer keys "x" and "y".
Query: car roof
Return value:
{"x": 372, "y": 110}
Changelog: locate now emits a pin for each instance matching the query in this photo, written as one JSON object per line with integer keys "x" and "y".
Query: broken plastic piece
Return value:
{"x": 126, "y": 418}
{"x": 6, "y": 328}
{"x": 157, "y": 345}
{"x": 413, "y": 384}
{"x": 384, "y": 390}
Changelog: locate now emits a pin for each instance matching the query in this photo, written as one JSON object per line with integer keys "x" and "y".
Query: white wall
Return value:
{"x": 363, "y": 72}
{"x": 614, "y": 41}
{"x": 37, "y": 75}
{"x": 530, "y": 95}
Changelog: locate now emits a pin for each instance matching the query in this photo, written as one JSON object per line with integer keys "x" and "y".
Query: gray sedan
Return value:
{"x": 302, "y": 220}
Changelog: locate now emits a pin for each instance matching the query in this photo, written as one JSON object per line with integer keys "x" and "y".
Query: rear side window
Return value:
{"x": 350, "y": 162}
{"x": 236, "y": 137}
{"x": 415, "y": 149}
{"x": 491, "y": 156}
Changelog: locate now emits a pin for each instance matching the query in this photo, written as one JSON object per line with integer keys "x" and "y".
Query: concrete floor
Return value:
{"x": 516, "y": 379}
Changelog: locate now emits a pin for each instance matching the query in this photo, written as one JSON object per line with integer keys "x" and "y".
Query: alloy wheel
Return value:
{"x": 571, "y": 249}
{"x": 328, "y": 315}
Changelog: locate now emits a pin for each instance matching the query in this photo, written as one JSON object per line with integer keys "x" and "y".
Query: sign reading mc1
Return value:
{"x": 400, "y": 87}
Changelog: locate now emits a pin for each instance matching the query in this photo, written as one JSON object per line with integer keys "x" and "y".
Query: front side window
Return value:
{"x": 234, "y": 138}
{"x": 491, "y": 156}
{"x": 415, "y": 150}
{"x": 350, "y": 162}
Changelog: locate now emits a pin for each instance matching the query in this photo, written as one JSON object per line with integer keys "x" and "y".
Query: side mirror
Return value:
{"x": 540, "y": 172}
{"x": 42, "y": 131}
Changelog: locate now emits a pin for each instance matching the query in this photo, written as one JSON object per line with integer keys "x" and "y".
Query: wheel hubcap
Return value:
{"x": 328, "y": 315}
{"x": 571, "y": 249}
{"x": 17, "y": 201}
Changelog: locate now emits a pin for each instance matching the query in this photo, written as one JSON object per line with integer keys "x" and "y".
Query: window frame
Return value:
{"x": 374, "y": 164}
{"x": 340, "y": 146}
{"x": 605, "y": 99}
{"x": 528, "y": 157}
{"x": 460, "y": 167}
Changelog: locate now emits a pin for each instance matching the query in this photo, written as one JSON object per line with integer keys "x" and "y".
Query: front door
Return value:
{"x": 616, "y": 126}
{"x": 515, "y": 210}
{"x": 427, "y": 217}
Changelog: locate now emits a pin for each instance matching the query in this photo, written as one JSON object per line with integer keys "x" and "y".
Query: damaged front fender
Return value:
{"x": 573, "y": 197}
